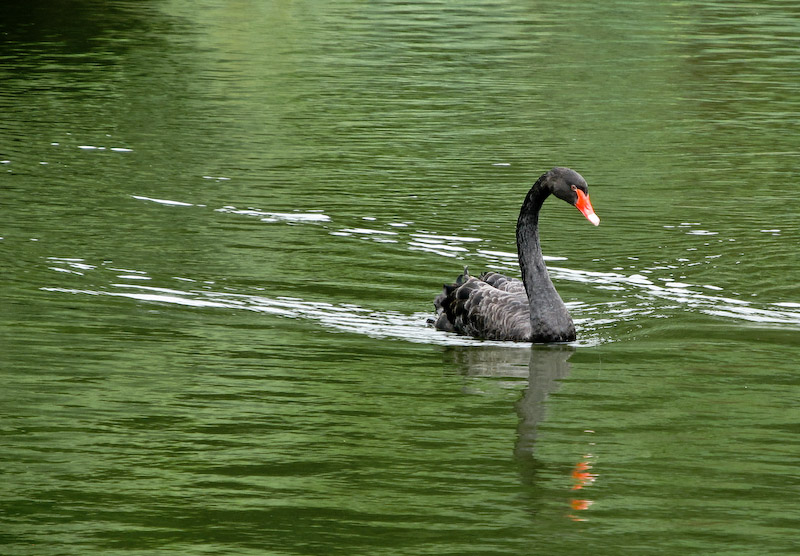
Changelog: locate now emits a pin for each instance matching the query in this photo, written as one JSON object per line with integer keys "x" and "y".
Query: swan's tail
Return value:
{"x": 441, "y": 322}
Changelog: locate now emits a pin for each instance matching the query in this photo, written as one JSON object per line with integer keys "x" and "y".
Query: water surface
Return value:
{"x": 223, "y": 227}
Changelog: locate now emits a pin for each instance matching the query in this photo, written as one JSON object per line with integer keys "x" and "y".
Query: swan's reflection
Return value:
{"x": 544, "y": 367}
{"x": 547, "y": 367}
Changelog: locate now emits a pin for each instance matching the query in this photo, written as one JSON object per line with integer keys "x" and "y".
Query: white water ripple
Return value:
{"x": 343, "y": 317}
{"x": 684, "y": 294}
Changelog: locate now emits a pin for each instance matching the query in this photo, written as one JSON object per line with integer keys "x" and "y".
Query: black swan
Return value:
{"x": 495, "y": 307}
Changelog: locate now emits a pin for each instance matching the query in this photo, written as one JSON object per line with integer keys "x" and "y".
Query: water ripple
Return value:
{"x": 592, "y": 320}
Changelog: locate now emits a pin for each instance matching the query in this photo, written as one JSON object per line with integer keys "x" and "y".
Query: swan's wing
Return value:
{"x": 473, "y": 307}
{"x": 504, "y": 283}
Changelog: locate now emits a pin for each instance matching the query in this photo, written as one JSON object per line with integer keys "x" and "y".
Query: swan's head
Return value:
{"x": 568, "y": 185}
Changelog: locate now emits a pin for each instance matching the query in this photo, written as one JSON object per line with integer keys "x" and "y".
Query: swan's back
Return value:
{"x": 492, "y": 307}
{"x": 504, "y": 283}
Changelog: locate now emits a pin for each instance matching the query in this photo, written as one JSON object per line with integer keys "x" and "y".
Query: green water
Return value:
{"x": 223, "y": 225}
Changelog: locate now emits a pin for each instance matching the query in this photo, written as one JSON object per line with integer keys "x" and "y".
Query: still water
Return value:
{"x": 222, "y": 225}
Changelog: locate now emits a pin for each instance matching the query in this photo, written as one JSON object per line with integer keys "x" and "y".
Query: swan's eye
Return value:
{"x": 574, "y": 188}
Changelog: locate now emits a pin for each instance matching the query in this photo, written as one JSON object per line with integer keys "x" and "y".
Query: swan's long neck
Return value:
{"x": 550, "y": 321}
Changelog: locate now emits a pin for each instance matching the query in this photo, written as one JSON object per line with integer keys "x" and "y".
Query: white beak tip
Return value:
{"x": 594, "y": 219}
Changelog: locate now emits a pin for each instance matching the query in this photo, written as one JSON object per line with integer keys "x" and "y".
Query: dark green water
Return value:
{"x": 223, "y": 225}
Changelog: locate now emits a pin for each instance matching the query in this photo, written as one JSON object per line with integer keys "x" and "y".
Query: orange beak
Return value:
{"x": 585, "y": 207}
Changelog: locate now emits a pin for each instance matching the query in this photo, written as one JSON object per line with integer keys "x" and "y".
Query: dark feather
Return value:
{"x": 475, "y": 307}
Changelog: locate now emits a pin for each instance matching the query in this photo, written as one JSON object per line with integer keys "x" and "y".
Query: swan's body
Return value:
{"x": 495, "y": 307}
